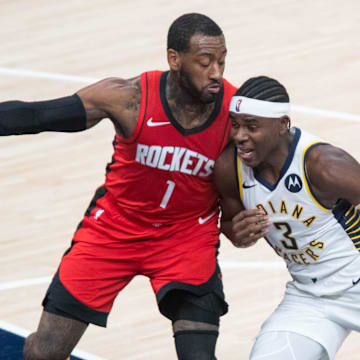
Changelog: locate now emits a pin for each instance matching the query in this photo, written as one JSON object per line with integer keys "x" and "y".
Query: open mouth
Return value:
{"x": 245, "y": 153}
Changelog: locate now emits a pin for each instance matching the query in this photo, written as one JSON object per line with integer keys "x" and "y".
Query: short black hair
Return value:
{"x": 263, "y": 88}
{"x": 187, "y": 25}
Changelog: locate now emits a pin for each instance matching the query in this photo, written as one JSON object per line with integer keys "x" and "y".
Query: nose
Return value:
{"x": 239, "y": 135}
{"x": 216, "y": 71}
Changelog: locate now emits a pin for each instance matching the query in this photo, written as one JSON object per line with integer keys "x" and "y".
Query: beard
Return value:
{"x": 187, "y": 84}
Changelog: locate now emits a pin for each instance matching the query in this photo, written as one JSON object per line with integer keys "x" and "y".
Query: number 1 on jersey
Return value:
{"x": 167, "y": 195}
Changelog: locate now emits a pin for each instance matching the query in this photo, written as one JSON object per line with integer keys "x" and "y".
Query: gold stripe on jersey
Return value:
{"x": 238, "y": 169}
{"x": 354, "y": 231}
{"x": 357, "y": 245}
{"x": 305, "y": 178}
{"x": 351, "y": 217}
{"x": 350, "y": 209}
{"x": 352, "y": 225}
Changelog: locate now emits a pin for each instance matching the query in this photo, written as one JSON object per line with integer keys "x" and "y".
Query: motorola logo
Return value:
{"x": 293, "y": 183}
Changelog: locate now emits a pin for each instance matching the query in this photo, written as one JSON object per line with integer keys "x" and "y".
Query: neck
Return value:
{"x": 188, "y": 109}
{"x": 270, "y": 169}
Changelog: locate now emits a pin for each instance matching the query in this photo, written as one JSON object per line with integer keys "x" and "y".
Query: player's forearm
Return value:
{"x": 64, "y": 115}
{"x": 245, "y": 228}
{"x": 226, "y": 229}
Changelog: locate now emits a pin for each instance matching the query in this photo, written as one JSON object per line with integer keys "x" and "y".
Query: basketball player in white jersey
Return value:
{"x": 310, "y": 192}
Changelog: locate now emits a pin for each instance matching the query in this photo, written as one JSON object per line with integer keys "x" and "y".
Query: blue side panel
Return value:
{"x": 349, "y": 218}
{"x": 11, "y": 346}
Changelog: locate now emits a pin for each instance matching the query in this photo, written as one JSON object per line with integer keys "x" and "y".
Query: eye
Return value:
{"x": 252, "y": 127}
{"x": 234, "y": 124}
{"x": 204, "y": 63}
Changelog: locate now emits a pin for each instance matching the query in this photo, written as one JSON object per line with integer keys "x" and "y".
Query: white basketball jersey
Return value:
{"x": 319, "y": 245}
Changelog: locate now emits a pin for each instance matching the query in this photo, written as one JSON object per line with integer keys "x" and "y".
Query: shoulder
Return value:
{"x": 108, "y": 90}
{"x": 333, "y": 174}
{"x": 114, "y": 98}
{"x": 327, "y": 165}
{"x": 325, "y": 158}
{"x": 119, "y": 88}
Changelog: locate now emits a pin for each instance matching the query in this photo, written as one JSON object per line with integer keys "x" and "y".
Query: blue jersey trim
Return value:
{"x": 349, "y": 218}
{"x": 286, "y": 165}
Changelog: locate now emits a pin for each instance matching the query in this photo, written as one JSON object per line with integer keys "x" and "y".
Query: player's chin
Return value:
{"x": 209, "y": 97}
{"x": 250, "y": 162}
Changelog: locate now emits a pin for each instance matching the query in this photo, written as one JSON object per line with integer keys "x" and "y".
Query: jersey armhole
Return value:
{"x": 306, "y": 152}
{"x": 142, "y": 111}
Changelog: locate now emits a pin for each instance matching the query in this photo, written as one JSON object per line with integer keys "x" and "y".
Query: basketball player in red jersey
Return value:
{"x": 156, "y": 215}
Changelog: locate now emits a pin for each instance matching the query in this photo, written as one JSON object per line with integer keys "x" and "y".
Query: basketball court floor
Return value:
{"x": 51, "y": 49}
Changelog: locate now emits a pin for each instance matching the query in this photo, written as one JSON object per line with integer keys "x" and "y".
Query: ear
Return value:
{"x": 284, "y": 124}
{"x": 174, "y": 59}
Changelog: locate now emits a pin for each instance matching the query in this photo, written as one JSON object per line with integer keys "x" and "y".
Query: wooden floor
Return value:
{"x": 51, "y": 48}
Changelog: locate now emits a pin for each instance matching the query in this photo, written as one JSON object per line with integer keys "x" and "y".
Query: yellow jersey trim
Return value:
{"x": 348, "y": 212}
{"x": 238, "y": 170}
{"x": 355, "y": 223}
{"x": 305, "y": 178}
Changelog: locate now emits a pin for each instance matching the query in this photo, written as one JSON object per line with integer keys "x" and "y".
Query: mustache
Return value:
{"x": 216, "y": 82}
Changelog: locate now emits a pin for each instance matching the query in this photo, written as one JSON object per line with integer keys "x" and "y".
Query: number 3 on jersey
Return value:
{"x": 168, "y": 193}
{"x": 291, "y": 244}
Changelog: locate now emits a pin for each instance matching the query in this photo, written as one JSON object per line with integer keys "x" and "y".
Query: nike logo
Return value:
{"x": 151, "y": 123}
{"x": 248, "y": 186}
{"x": 98, "y": 213}
{"x": 204, "y": 220}
{"x": 356, "y": 282}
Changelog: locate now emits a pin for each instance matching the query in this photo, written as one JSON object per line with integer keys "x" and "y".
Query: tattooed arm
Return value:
{"x": 113, "y": 98}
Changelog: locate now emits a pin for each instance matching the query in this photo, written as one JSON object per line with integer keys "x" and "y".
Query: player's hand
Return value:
{"x": 248, "y": 227}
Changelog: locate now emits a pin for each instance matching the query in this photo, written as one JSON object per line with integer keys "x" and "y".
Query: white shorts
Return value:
{"x": 327, "y": 320}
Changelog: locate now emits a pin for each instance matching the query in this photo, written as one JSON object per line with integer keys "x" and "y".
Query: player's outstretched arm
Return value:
{"x": 112, "y": 98}
{"x": 64, "y": 114}
{"x": 243, "y": 227}
{"x": 334, "y": 174}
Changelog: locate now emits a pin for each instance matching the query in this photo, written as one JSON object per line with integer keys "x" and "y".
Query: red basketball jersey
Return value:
{"x": 163, "y": 173}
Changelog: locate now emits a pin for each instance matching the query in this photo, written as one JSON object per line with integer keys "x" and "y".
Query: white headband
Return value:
{"x": 244, "y": 105}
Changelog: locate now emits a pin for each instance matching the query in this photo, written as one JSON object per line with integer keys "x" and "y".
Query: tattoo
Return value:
{"x": 128, "y": 111}
{"x": 133, "y": 104}
{"x": 189, "y": 115}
